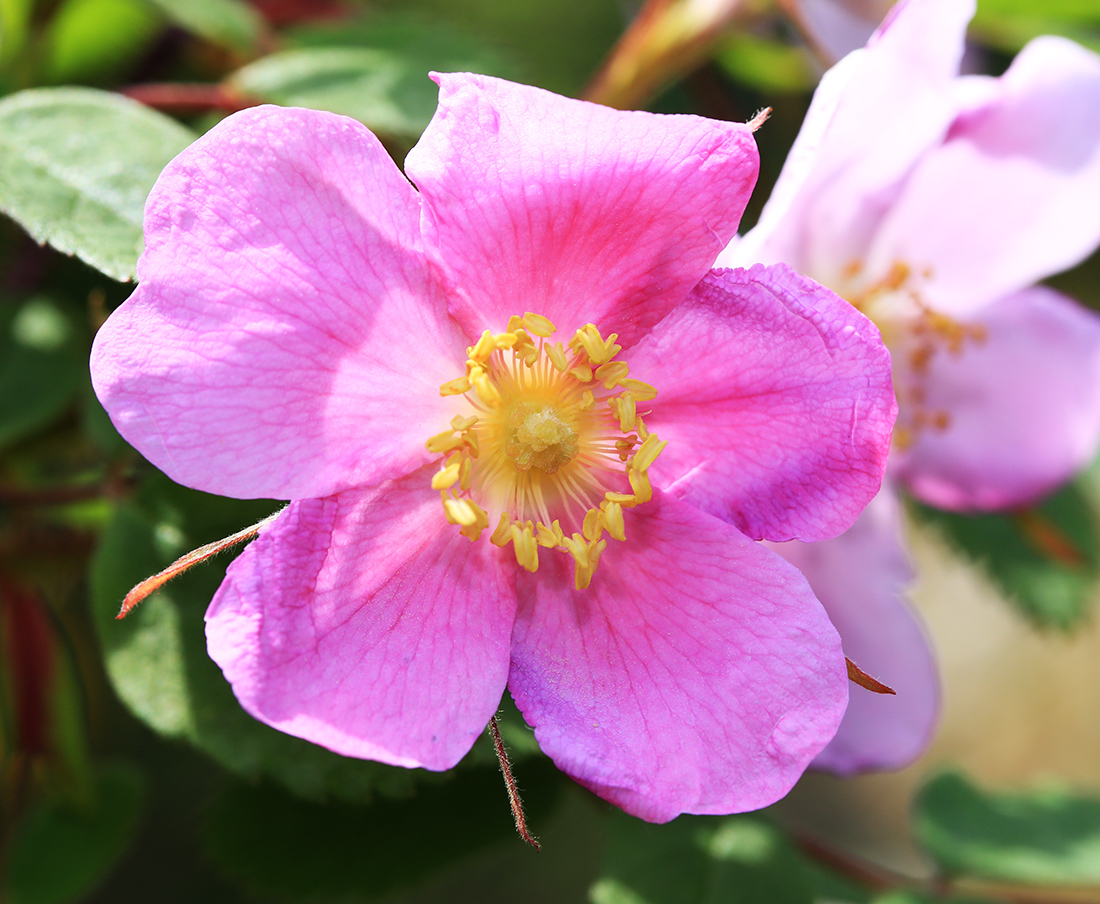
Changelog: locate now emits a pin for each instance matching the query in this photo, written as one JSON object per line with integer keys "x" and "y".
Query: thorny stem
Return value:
{"x": 184, "y": 562}
{"x": 514, "y": 799}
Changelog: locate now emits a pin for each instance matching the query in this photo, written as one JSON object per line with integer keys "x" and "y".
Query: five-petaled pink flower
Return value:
{"x": 933, "y": 202}
{"x": 479, "y": 503}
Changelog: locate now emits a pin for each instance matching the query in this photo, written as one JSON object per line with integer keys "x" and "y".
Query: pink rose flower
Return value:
{"x": 933, "y": 202}
{"x": 481, "y": 504}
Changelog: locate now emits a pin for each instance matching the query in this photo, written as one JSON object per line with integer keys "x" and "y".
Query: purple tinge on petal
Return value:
{"x": 286, "y": 339}
{"x": 571, "y": 210}
{"x": 1011, "y": 195}
{"x": 873, "y": 117}
{"x": 776, "y": 401}
{"x": 365, "y": 623}
{"x": 860, "y": 578}
{"x": 697, "y": 673}
{"x": 1022, "y": 406}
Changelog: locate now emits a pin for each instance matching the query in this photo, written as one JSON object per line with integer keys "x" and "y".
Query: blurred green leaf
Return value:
{"x": 701, "y": 860}
{"x": 62, "y": 849}
{"x": 76, "y": 166}
{"x": 230, "y": 23}
{"x": 1046, "y": 558}
{"x": 766, "y": 64}
{"x": 293, "y": 849}
{"x": 94, "y": 40}
{"x": 42, "y": 365}
{"x": 14, "y": 17}
{"x": 1046, "y": 837}
{"x": 156, "y": 658}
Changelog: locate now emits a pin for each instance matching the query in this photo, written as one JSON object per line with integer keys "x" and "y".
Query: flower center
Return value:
{"x": 549, "y": 445}
{"x": 916, "y": 334}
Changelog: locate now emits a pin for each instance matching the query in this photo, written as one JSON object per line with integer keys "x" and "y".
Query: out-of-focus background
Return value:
{"x": 127, "y": 772}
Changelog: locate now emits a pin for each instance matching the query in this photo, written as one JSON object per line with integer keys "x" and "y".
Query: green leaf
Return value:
{"x": 1059, "y": 10}
{"x": 42, "y": 365}
{"x": 156, "y": 657}
{"x": 76, "y": 166}
{"x": 15, "y": 16}
{"x": 700, "y": 860}
{"x": 1048, "y": 837}
{"x": 230, "y": 23}
{"x": 62, "y": 849}
{"x": 97, "y": 40}
{"x": 765, "y": 64}
{"x": 288, "y": 848}
{"x": 1046, "y": 559}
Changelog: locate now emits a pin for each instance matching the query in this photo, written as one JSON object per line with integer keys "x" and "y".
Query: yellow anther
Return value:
{"x": 551, "y": 536}
{"x": 460, "y": 511}
{"x": 639, "y": 483}
{"x": 466, "y": 474}
{"x": 587, "y": 400}
{"x": 473, "y": 531}
{"x": 592, "y": 527}
{"x": 611, "y": 514}
{"x": 504, "y": 341}
{"x": 538, "y": 325}
{"x": 484, "y": 386}
{"x": 582, "y": 372}
{"x": 639, "y": 428}
{"x": 457, "y": 386}
{"x": 448, "y": 477}
{"x": 556, "y": 354}
{"x": 445, "y": 442}
{"x": 458, "y": 422}
{"x": 502, "y": 536}
{"x": 473, "y": 445}
{"x": 647, "y": 453}
{"x": 626, "y": 500}
{"x": 515, "y": 322}
{"x": 612, "y": 373}
{"x": 586, "y": 555}
{"x": 641, "y": 391}
{"x": 484, "y": 347}
{"x": 625, "y": 410}
{"x": 527, "y": 550}
{"x": 624, "y": 446}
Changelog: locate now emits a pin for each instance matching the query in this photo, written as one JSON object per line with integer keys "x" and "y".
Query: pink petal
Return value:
{"x": 572, "y": 210}
{"x": 286, "y": 339}
{"x": 1011, "y": 196}
{"x": 366, "y": 624}
{"x": 873, "y": 116}
{"x": 1024, "y": 406}
{"x": 860, "y": 578}
{"x": 697, "y": 673}
{"x": 776, "y": 400}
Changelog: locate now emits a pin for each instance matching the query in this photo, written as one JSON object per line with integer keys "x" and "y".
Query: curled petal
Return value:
{"x": 366, "y": 624}
{"x": 1021, "y": 407}
{"x": 697, "y": 673}
{"x": 860, "y": 578}
{"x": 571, "y": 210}
{"x": 261, "y": 353}
{"x": 776, "y": 401}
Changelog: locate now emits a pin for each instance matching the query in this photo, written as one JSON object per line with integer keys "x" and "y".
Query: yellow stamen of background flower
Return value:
{"x": 553, "y": 436}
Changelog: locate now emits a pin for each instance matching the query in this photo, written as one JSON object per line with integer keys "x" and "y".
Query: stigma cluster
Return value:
{"x": 553, "y": 447}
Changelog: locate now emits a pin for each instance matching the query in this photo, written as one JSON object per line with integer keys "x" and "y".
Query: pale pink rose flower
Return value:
{"x": 310, "y": 326}
{"x": 934, "y": 202}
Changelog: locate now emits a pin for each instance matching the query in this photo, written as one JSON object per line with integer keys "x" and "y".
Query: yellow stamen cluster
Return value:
{"x": 910, "y": 327}
{"x": 550, "y": 428}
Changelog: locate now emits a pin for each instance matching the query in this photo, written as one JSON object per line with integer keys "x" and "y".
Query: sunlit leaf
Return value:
{"x": 76, "y": 166}
{"x": 92, "y": 40}
{"x": 63, "y": 848}
{"x": 1048, "y": 837}
{"x": 766, "y": 65}
{"x": 1046, "y": 559}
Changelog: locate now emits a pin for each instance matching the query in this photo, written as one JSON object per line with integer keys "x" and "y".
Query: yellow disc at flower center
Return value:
{"x": 539, "y": 436}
